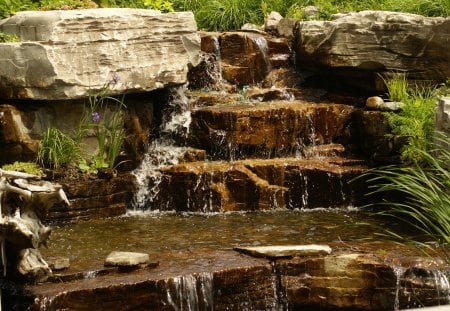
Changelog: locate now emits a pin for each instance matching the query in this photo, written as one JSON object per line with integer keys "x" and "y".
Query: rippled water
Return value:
{"x": 164, "y": 232}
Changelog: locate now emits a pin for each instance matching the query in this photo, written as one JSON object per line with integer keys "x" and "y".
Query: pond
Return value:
{"x": 154, "y": 232}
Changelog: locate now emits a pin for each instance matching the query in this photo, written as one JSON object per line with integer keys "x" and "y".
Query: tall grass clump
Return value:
{"x": 415, "y": 121}
{"x": 57, "y": 149}
{"x": 423, "y": 192}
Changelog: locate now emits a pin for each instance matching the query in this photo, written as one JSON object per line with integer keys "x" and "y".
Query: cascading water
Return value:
{"x": 163, "y": 150}
{"x": 190, "y": 292}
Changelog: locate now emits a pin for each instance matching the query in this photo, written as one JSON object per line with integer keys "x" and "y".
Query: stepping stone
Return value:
{"x": 126, "y": 259}
{"x": 277, "y": 251}
{"x": 58, "y": 263}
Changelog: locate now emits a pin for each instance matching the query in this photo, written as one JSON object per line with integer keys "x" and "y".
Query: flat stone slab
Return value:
{"x": 126, "y": 259}
{"x": 277, "y": 251}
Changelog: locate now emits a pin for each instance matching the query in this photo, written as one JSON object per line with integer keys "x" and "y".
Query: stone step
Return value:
{"x": 346, "y": 279}
{"x": 268, "y": 129}
{"x": 260, "y": 184}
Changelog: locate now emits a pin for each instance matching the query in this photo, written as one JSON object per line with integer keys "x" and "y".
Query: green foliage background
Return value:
{"x": 232, "y": 14}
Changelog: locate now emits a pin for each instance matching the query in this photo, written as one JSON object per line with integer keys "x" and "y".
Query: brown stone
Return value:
{"x": 92, "y": 197}
{"x": 268, "y": 129}
{"x": 371, "y": 129}
{"x": 249, "y": 185}
{"x": 223, "y": 280}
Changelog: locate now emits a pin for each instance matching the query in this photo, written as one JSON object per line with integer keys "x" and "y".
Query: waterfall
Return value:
{"x": 163, "y": 150}
{"x": 190, "y": 292}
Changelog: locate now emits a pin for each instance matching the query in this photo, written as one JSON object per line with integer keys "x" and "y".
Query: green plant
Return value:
{"x": 424, "y": 192}
{"x": 26, "y": 167}
{"x": 161, "y": 5}
{"x": 65, "y": 4}
{"x": 104, "y": 117}
{"x": 222, "y": 15}
{"x": 397, "y": 86}
{"x": 9, "y": 7}
{"x": 416, "y": 119}
{"x": 5, "y": 37}
{"x": 57, "y": 149}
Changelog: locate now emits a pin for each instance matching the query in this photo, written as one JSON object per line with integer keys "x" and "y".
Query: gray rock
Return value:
{"x": 367, "y": 43}
{"x": 442, "y": 117}
{"x": 310, "y": 12}
{"x": 286, "y": 28}
{"x": 272, "y": 21}
{"x": 276, "y": 251}
{"x": 377, "y": 103}
{"x": 126, "y": 259}
{"x": 67, "y": 54}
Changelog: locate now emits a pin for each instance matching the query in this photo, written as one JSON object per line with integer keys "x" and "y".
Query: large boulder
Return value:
{"x": 68, "y": 54}
{"x": 356, "y": 47}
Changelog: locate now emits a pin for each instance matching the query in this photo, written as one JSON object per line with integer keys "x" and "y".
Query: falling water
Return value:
{"x": 163, "y": 151}
{"x": 190, "y": 292}
{"x": 398, "y": 271}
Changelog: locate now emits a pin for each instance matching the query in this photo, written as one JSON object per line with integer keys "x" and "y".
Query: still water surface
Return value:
{"x": 154, "y": 233}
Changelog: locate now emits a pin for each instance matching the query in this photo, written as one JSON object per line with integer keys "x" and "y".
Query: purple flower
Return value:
{"x": 95, "y": 116}
{"x": 115, "y": 79}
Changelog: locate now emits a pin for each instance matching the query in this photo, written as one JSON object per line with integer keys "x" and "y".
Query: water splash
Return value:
{"x": 163, "y": 151}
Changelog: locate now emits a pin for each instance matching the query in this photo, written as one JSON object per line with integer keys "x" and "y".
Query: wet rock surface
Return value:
{"x": 268, "y": 129}
{"x": 250, "y": 185}
{"x": 219, "y": 280}
{"x": 92, "y": 197}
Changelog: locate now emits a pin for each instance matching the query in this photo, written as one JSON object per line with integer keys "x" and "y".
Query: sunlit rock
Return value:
{"x": 277, "y": 251}
{"x": 68, "y": 54}
{"x": 272, "y": 21}
{"x": 126, "y": 259}
{"x": 356, "y": 47}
